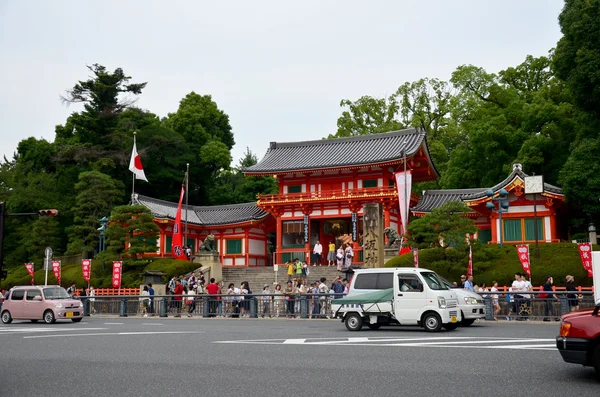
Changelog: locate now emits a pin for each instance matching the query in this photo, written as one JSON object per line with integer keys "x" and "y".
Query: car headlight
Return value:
{"x": 59, "y": 305}
{"x": 441, "y": 302}
{"x": 80, "y": 304}
{"x": 470, "y": 301}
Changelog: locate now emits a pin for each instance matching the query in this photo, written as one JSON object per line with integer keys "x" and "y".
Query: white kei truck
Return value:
{"x": 416, "y": 297}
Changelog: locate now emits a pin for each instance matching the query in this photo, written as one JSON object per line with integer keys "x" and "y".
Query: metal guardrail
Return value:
{"x": 530, "y": 306}
{"x": 511, "y": 306}
{"x": 204, "y": 305}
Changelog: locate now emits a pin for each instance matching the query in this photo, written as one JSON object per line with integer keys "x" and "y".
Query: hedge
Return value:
{"x": 492, "y": 263}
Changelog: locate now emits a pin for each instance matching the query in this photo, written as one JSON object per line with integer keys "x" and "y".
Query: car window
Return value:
{"x": 17, "y": 295}
{"x": 366, "y": 281}
{"x": 409, "y": 283}
{"x": 31, "y": 293}
{"x": 433, "y": 281}
{"x": 385, "y": 280}
{"x": 56, "y": 293}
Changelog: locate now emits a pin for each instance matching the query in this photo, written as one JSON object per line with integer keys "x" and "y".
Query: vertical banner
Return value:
{"x": 585, "y": 252}
{"x": 306, "y": 229}
{"x": 116, "y": 276}
{"x": 56, "y": 270}
{"x": 523, "y": 251}
{"x": 29, "y": 267}
{"x": 416, "y": 256}
{"x": 86, "y": 269}
{"x": 176, "y": 243}
{"x": 470, "y": 265}
{"x": 404, "y": 185}
{"x": 354, "y": 227}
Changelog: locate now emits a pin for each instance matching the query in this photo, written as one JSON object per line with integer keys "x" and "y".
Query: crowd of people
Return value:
{"x": 235, "y": 301}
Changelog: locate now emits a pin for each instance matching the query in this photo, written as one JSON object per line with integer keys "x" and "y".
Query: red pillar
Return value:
{"x": 247, "y": 240}
{"x": 278, "y": 236}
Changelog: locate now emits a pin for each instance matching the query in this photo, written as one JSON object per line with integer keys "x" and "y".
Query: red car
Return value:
{"x": 579, "y": 340}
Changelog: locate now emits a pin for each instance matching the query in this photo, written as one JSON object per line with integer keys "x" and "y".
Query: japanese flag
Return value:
{"x": 135, "y": 165}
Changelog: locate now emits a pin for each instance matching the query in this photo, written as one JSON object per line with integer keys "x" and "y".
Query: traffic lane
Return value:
{"x": 154, "y": 363}
{"x": 142, "y": 365}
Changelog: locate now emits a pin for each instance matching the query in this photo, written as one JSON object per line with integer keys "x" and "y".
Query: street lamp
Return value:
{"x": 503, "y": 205}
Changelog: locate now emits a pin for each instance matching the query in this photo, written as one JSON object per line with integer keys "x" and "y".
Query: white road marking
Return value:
{"x": 114, "y": 323}
{"x": 112, "y": 334}
{"x": 447, "y": 342}
{"x": 152, "y": 324}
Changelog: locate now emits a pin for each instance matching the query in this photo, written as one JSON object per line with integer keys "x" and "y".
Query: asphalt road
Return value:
{"x": 221, "y": 357}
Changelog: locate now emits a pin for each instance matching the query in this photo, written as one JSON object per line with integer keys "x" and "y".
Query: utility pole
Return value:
{"x": 2, "y": 213}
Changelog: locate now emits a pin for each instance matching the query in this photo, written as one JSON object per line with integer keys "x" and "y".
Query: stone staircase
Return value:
{"x": 257, "y": 277}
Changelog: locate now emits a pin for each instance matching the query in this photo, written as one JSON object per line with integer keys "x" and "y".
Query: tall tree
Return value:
{"x": 368, "y": 115}
{"x": 577, "y": 55}
{"x": 131, "y": 232}
{"x": 96, "y": 194}
{"x": 208, "y": 136}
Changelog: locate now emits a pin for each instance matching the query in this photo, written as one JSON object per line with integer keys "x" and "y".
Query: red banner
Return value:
{"x": 176, "y": 244}
{"x": 29, "y": 267}
{"x": 470, "y": 265}
{"x": 416, "y": 256}
{"x": 523, "y": 251}
{"x": 56, "y": 270}
{"x": 585, "y": 252}
{"x": 117, "y": 272}
{"x": 86, "y": 269}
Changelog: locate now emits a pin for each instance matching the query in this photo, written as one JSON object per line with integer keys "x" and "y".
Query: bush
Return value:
{"x": 492, "y": 263}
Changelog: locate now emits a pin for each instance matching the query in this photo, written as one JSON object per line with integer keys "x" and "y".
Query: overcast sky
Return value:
{"x": 278, "y": 68}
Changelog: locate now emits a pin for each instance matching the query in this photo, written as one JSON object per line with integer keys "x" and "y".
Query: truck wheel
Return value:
{"x": 466, "y": 322}
{"x": 374, "y": 326}
{"x": 353, "y": 322}
{"x": 451, "y": 326}
{"x": 432, "y": 322}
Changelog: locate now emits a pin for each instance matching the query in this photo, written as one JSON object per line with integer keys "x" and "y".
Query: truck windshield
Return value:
{"x": 433, "y": 281}
{"x": 56, "y": 293}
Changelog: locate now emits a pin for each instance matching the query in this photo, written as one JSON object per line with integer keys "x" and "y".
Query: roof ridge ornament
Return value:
{"x": 517, "y": 167}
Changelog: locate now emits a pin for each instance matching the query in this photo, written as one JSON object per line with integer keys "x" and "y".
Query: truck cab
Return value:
{"x": 579, "y": 339}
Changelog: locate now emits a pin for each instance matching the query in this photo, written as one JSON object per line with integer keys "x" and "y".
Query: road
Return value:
{"x": 245, "y": 357}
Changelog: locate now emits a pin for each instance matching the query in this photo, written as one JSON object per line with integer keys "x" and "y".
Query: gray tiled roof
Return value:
{"x": 433, "y": 199}
{"x": 517, "y": 172}
{"x": 340, "y": 152}
{"x": 204, "y": 215}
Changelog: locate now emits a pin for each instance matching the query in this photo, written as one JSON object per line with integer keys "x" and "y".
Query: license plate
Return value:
{"x": 69, "y": 314}
{"x": 453, "y": 319}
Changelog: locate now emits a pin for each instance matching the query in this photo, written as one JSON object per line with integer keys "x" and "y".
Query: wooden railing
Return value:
{"x": 327, "y": 195}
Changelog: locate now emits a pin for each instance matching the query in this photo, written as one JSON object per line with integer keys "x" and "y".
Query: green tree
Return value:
{"x": 41, "y": 233}
{"x": 577, "y": 55}
{"x": 96, "y": 193}
{"x": 448, "y": 222}
{"x": 368, "y": 115}
{"x": 209, "y": 139}
{"x": 130, "y": 234}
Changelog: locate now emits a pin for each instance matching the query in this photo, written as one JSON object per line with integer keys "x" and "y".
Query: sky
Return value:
{"x": 279, "y": 69}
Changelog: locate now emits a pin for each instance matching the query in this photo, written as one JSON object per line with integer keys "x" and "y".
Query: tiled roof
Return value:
{"x": 433, "y": 199}
{"x": 516, "y": 173}
{"x": 204, "y": 215}
{"x": 339, "y": 152}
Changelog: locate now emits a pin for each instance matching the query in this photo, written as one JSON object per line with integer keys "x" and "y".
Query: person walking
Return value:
{"x": 349, "y": 255}
{"x": 573, "y": 302}
{"x": 495, "y": 299}
{"x": 178, "y": 297}
{"x": 339, "y": 256}
{"x": 549, "y": 298}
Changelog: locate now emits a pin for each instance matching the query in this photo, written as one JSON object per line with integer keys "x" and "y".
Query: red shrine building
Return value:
{"x": 323, "y": 185}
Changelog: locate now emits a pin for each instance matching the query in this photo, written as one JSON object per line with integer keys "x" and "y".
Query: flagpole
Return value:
{"x": 133, "y": 178}
{"x": 187, "y": 184}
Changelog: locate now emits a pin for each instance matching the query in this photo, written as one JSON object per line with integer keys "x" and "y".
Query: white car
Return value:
{"x": 471, "y": 304}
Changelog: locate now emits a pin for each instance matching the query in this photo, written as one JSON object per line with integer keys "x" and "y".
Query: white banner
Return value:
{"x": 404, "y": 185}
{"x": 596, "y": 270}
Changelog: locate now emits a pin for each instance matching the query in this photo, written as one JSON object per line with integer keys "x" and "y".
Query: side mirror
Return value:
{"x": 37, "y": 298}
